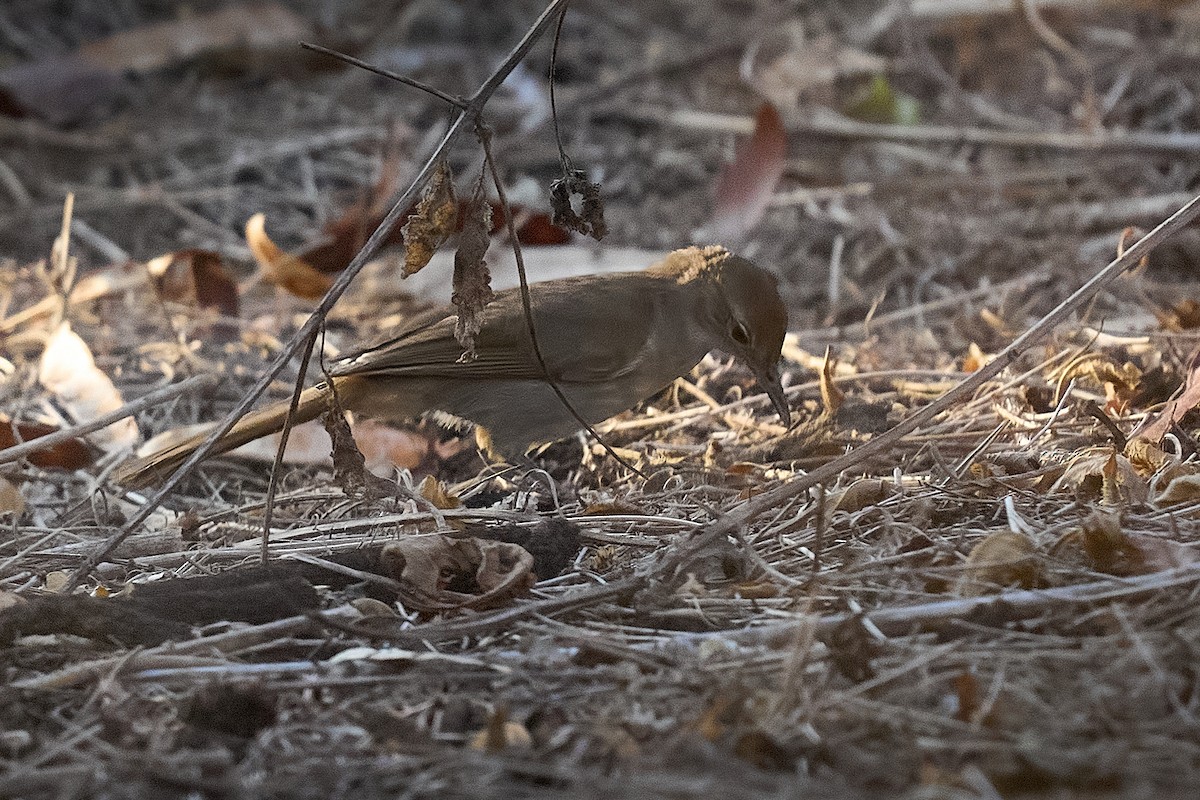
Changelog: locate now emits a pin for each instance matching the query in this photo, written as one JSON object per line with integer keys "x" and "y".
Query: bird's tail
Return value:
{"x": 155, "y": 467}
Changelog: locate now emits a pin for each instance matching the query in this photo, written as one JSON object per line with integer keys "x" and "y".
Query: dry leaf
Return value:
{"x": 482, "y": 572}
{"x": 68, "y": 371}
{"x": 71, "y": 454}
{"x": 1187, "y": 398}
{"x": 590, "y": 220}
{"x": 1145, "y": 457}
{"x": 435, "y": 492}
{"x": 746, "y": 184}
{"x": 57, "y": 580}
{"x": 196, "y": 278}
{"x": 975, "y": 358}
{"x": 472, "y": 281}
{"x": 432, "y": 222}
{"x": 11, "y": 499}
{"x": 501, "y": 734}
{"x": 1002, "y": 559}
{"x": 343, "y": 237}
{"x": 1103, "y": 476}
{"x": 1183, "y": 316}
{"x": 1101, "y": 544}
{"x": 281, "y": 269}
{"x": 831, "y": 396}
{"x": 861, "y": 494}
{"x": 1181, "y": 488}
{"x": 349, "y": 465}
{"x": 1121, "y": 383}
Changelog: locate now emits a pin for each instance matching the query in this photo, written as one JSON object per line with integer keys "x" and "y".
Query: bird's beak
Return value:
{"x": 768, "y": 379}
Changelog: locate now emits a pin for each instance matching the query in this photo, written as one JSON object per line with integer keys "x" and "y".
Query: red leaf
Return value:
{"x": 746, "y": 184}
{"x": 70, "y": 455}
{"x": 195, "y": 277}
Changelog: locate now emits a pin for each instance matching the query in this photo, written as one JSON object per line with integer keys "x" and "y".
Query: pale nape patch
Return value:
{"x": 689, "y": 263}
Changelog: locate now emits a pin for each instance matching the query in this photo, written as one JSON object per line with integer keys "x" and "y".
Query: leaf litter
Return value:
{"x": 1002, "y": 604}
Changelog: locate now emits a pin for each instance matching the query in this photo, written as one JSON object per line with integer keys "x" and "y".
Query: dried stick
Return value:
{"x": 19, "y": 451}
{"x": 1021, "y": 603}
{"x": 462, "y": 123}
{"x": 224, "y": 642}
{"x": 672, "y": 562}
{"x": 1180, "y": 144}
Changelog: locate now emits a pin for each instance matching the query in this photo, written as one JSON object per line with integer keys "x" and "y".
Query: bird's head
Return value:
{"x": 743, "y": 312}
{"x": 755, "y": 323}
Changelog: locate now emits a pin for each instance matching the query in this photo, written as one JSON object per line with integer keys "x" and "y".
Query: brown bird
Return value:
{"x": 609, "y": 342}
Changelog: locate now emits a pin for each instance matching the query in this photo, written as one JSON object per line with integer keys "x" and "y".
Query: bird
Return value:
{"x": 609, "y": 341}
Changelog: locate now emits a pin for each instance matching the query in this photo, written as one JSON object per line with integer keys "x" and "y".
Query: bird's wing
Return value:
{"x": 589, "y": 330}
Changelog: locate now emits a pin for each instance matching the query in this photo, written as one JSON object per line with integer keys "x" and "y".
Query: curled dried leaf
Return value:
{"x": 289, "y": 272}
{"x": 69, "y": 371}
{"x": 590, "y": 220}
{"x": 831, "y": 396}
{"x": 1145, "y": 456}
{"x": 431, "y": 224}
{"x": 349, "y": 464}
{"x": 746, "y": 184}
{"x": 861, "y": 494}
{"x": 466, "y": 572}
{"x": 1004, "y": 558}
{"x": 1103, "y": 475}
{"x": 1186, "y": 399}
{"x": 1183, "y": 486}
{"x": 436, "y": 493}
{"x": 197, "y": 278}
{"x": 472, "y": 279}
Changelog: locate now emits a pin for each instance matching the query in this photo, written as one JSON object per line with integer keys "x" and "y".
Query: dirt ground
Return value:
{"x": 1000, "y": 603}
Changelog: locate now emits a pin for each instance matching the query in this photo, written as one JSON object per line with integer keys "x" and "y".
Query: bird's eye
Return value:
{"x": 739, "y": 333}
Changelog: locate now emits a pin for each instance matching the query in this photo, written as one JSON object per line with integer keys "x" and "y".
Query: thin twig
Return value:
{"x": 453, "y": 100}
{"x": 284, "y": 435}
{"x": 19, "y": 451}
{"x": 1177, "y": 143}
{"x": 1021, "y": 603}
